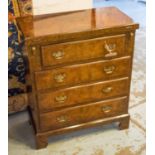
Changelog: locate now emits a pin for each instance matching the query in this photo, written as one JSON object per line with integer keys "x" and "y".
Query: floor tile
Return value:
{"x": 106, "y": 140}
{"x": 138, "y": 115}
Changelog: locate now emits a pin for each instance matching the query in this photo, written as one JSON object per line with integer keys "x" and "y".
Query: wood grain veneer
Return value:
{"x": 79, "y": 69}
{"x": 57, "y": 99}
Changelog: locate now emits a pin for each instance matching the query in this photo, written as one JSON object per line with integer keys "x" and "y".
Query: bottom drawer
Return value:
{"x": 82, "y": 114}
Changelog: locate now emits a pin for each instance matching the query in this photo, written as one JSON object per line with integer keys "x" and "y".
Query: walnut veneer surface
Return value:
{"x": 79, "y": 66}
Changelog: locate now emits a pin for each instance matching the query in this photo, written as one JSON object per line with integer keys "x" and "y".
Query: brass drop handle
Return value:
{"x": 107, "y": 90}
{"x": 58, "y": 55}
{"x": 62, "y": 119}
{"x": 109, "y": 69}
{"x": 131, "y": 34}
{"x": 60, "y": 77}
{"x": 110, "y": 49}
{"x": 106, "y": 109}
{"x": 33, "y": 50}
{"x": 61, "y": 98}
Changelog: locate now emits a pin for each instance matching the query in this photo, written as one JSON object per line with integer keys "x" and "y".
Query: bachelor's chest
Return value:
{"x": 79, "y": 69}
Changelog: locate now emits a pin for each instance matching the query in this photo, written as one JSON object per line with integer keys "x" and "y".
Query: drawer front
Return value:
{"x": 88, "y": 93}
{"x": 83, "y": 73}
{"x": 82, "y": 114}
{"x": 108, "y": 47}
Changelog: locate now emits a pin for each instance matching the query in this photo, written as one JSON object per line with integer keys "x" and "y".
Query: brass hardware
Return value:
{"x": 109, "y": 69}
{"x": 58, "y": 55}
{"x": 111, "y": 54}
{"x": 61, "y": 98}
{"x": 128, "y": 27}
{"x": 106, "y": 109}
{"x": 60, "y": 77}
{"x": 33, "y": 49}
{"x": 110, "y": 49}
{"x": 61, "y": 119}
{"x": 107, "y": 90}
{"x": 131, "y": 34}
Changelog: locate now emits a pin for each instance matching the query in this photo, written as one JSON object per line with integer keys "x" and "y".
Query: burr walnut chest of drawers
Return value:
{"x": 79, "y": 69}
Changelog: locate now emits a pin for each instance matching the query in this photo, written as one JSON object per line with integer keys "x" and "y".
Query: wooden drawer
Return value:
{"x": 82, "y": 94}
{"x": 76, "y": 115}
{"x": 82, "y": 73}
{"x": 107, "y": 47}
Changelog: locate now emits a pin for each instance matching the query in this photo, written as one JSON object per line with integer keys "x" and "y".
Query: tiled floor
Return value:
{"x": 103, "y": 140}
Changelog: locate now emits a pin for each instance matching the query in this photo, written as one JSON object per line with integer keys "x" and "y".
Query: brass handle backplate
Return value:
{"x": 58, "y": 55}
{"x": 62, "y": 119}
{"x": 61, "y": 98}
{"x": 110, "y": 49}
{"x": 60, "y": 77}
{"x": 107, "y": 90}
{"x": 106, "y": 109}
{"x": 109, "y": 69}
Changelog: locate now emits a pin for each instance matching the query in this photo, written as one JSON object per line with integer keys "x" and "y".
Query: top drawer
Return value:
{"x": 107, "y": 47}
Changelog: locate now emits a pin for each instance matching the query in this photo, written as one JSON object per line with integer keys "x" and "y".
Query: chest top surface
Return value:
{"x": 73, "y": 22}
